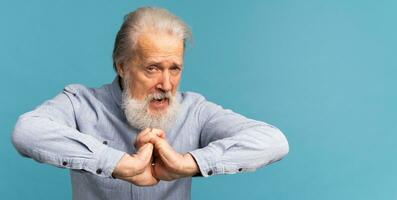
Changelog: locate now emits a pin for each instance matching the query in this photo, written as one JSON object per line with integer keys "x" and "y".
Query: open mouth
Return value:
{"x": 159, "y": 102}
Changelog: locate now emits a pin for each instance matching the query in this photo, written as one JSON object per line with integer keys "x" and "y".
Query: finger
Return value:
{"x": 159, "y": 132}
{"x": 141, "y": 159}
{"x": 161, "y": 173}
{"x": 164, "y": 151}
{"x": 153, "y": 171}
{"x": 143, "y": 138}
{"x": 138, "y": 141}
{"x": 146, "y": 138}
{"x": 144, "y": 154}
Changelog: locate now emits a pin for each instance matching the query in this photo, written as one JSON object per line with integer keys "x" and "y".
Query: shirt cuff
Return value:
{"x": 104, "y": 162}
{"x": 207, "y": 161}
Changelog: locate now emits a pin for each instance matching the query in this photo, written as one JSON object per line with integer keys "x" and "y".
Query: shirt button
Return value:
{"x": 210, "y": 172}
{"x": 105, "y": 142}
{"x": 240, "y": 169}
{"x": 64, "y": 163}
{"x": 99, "y": 171}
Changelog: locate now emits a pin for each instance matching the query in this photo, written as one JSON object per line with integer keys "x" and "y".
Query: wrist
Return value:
{"x": 191, "y": 168}
{"x": 125, "y": 167}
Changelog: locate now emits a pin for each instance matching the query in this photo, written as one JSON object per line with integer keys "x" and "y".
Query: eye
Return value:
{"x": 175, "y": 70}
{"x": 152, "y": 69}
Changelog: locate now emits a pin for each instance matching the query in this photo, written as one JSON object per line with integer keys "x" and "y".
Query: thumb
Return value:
{"x": 145, "y": 152}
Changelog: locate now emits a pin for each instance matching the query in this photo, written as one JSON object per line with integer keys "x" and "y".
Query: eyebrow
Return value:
{"x": 159, "y": 64}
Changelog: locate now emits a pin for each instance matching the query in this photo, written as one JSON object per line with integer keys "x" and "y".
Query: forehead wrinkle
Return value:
{"x": 161, "y": 49}
{"x": 164, "y": 59}
{"x": 147, "y": 56}
{"x": 154, "y": 51}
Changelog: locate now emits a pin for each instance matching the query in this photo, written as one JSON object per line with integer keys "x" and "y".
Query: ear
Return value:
{"x": 120, "y": 69}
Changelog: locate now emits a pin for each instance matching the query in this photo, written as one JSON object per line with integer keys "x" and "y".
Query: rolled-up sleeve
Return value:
{"x": 231, "y": 143}
{"x": 49, "y": 134}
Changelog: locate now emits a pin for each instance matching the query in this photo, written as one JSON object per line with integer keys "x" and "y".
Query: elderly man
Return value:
{"x": 139, "y": 129}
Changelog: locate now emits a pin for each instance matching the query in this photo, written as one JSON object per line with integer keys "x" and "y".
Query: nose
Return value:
{"x": 165, "y": 82}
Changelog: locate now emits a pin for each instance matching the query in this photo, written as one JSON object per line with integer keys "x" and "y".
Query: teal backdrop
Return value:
{"x": 324, "y": 72}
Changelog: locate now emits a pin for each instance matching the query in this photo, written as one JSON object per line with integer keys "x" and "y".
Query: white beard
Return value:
{"x": 137, "y": 113}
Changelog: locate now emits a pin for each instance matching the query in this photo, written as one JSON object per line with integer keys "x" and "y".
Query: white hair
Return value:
{"x": 137, "y": 112}
{"x": 146, "y": 19}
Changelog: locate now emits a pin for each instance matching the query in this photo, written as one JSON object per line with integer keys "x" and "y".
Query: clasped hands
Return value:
{"x": 154, "y": 160}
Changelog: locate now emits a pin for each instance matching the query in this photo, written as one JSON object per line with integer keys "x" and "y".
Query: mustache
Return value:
{"x": 159, "y": 95}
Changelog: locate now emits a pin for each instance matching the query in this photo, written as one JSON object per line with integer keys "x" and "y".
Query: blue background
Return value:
{"x": 324, "y": 72}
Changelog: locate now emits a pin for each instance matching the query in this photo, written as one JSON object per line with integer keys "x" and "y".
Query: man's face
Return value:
{"x": 155, "y": 68}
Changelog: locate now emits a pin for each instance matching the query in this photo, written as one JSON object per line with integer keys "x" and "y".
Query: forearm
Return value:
{"x": 246, "y": 150}
{"x": 50, "y": 142}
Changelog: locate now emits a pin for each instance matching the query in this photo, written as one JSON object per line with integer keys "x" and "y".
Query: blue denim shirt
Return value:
{"x": 85, "y": 130}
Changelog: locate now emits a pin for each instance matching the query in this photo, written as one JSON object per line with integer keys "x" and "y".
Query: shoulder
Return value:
{"x": 80, "y": 90}
{"x": 192, "y": 100}
{"x": 87, "y": 100}
{"x": 81, "y": 94}
{"x": 195, "y": 98}
{"x": 198, "y": 103}
{"x": 76, "y": 89}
